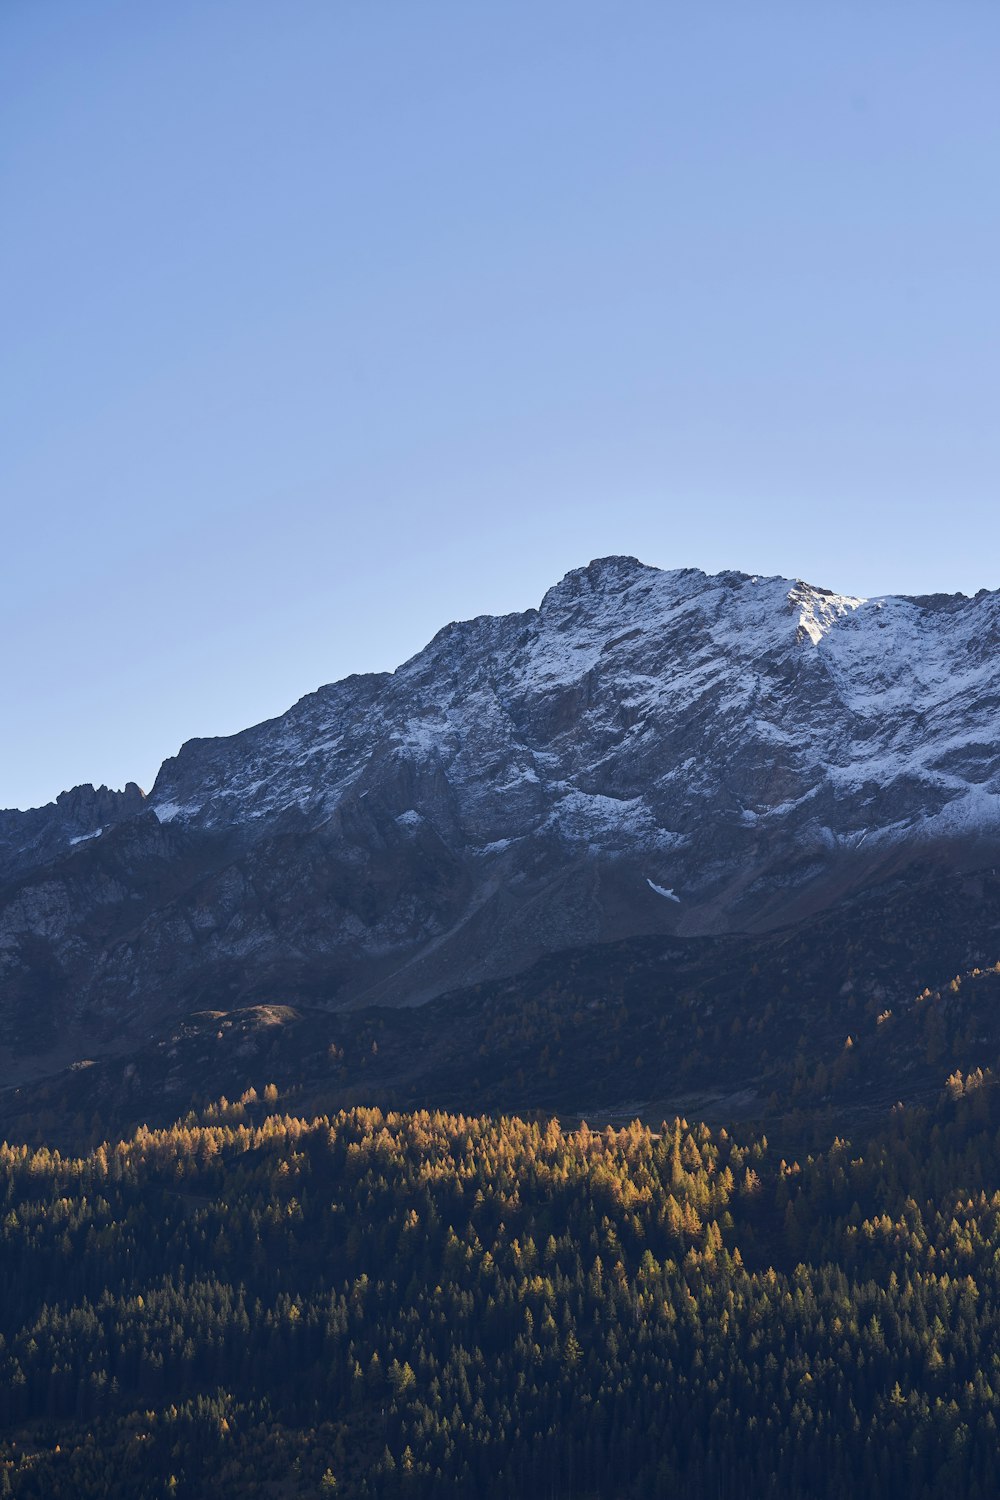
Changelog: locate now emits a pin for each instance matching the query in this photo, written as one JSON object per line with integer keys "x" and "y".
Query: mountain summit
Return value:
{"x": 647, "y": 752}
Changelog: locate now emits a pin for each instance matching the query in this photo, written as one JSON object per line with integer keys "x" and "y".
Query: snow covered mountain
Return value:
{"x": 647, "y": 752}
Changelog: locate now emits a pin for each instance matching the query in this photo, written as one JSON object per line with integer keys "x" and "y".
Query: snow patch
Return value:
{"x": 603, "y": 822}
{"x": 820, "y": 611}
{"x": 168, "y": 811}
{"x": 497, "y": 846}
{"x": 662, "y": 891}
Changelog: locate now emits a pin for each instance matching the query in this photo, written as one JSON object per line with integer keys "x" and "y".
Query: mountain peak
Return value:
{"x": 607, "y": 575}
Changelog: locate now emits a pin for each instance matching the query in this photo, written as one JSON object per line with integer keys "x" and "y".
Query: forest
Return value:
{"x": 376, "y": 1303}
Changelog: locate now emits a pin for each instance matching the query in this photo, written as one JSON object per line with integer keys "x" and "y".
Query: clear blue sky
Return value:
{"x": 324, "y": 323}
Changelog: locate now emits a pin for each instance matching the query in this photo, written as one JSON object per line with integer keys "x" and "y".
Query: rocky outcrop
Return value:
{"x": 32, "y": 838}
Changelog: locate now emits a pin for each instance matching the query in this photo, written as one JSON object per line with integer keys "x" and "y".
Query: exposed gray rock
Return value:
{"x": 31, "y": 838}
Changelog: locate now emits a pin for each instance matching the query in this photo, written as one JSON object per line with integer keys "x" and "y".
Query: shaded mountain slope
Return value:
{"x": 821, "y": 1026}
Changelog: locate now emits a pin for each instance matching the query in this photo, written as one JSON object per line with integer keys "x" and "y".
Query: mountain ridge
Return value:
{"x": 758, "y": 747}
{"x": 599, "y": 566}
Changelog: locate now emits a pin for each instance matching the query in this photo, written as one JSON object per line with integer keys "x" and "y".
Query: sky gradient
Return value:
{"x": 325, "y": 324}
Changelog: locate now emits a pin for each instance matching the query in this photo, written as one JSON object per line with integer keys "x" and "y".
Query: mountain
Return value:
{"x": 649, "y": 753}
{"x": 40, "y": 835}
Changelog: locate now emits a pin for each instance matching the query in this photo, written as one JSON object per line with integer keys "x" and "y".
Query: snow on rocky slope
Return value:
{"x": 638, "y": 711}
{"x": 756, "y": 747}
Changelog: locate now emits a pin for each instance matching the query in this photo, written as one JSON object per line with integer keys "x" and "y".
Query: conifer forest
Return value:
{"x": 251, "y": 1302}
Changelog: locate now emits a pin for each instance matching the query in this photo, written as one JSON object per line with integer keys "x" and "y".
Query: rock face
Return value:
{"x": 29, "y": 839}
{"x": 647, "y": 752}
